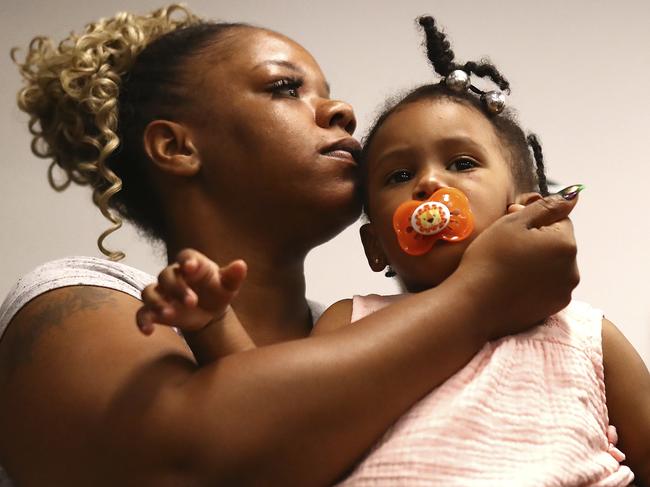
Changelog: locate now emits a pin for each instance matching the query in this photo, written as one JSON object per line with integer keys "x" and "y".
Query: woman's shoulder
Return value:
{"x": 71, "y": 271}
{"x": 79, "y": 347}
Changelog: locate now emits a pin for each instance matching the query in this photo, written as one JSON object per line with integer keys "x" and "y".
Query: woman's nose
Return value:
{"x": 334, "y": 112}
{"x": 427, "y": 185}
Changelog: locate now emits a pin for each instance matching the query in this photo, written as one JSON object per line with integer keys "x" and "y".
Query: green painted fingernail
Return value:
{"x": 570, "y": 192}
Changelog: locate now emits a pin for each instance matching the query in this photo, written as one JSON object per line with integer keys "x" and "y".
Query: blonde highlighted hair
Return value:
{"x": 71, "y": 95}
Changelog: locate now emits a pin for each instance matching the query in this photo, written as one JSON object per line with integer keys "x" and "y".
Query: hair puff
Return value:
{"x": 71, "y": 95}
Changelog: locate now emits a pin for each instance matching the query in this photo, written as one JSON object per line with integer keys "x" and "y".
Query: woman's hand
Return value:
{"x": 523, "y": 268}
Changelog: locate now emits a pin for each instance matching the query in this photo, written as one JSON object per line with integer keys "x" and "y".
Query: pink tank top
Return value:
{"x": 528, "y": 410}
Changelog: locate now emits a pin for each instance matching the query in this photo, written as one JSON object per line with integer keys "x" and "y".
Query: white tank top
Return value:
{"x": 72, "y": 271}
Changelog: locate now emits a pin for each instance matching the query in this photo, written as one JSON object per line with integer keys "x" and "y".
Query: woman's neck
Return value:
{"x": 271, "y": 304}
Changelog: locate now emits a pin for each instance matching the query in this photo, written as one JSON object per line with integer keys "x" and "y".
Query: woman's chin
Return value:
{"x": 331, "y": 216}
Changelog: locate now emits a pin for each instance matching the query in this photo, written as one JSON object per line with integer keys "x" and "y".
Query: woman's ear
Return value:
{"x": 170, "y": 147}
{"x": 374, "y": 253}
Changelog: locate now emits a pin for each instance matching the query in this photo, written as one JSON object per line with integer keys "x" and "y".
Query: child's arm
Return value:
{"x": 627, "y": 382}
{"x": 194, "y": 295}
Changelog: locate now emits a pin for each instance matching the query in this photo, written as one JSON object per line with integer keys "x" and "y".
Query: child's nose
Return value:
{"x": 427, "y": 185}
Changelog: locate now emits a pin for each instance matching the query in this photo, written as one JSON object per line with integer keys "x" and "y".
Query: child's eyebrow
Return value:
{"x": 460, "y": 141}
{"x": 442, "y": 144}
{"x": 394, "y": 153}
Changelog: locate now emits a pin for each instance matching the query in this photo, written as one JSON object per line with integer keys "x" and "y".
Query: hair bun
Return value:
{"x": 71, "y": 91}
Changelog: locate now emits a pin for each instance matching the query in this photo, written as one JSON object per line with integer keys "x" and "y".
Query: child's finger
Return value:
{"x": 153, "y": 299}
{"x": 190, "y": 265}
{"x": 163, "y": 307}
{"x": 144, "y": 318}
{"x": 232, "y": 276}
{"x": 199, "y": 271}
{"x": 214, "y": 286}
{"x": 172, "y": 283}
{"x": 189, "y": 259}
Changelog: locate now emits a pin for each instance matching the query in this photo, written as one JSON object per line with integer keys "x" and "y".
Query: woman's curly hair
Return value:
{"x": 90, "y": 97}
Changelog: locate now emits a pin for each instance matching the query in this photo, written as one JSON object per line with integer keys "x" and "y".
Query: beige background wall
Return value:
{"x": 579, "y": 70}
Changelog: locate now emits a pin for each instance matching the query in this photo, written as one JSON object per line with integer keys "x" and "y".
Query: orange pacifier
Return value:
{"x": 446, "y": 215}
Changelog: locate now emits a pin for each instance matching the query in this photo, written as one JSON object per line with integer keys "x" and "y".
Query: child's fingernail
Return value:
{"x": 166, "y": 311}
{"x": 570, "y": 192}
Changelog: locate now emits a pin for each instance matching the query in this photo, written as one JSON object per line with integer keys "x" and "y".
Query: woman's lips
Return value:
{"x": 341, "y": 154}
{"x": 347, "y": 149}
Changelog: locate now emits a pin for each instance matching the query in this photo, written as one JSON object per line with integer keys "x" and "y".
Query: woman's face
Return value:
{"x": 275, "y": 149}
{"x": 419, "y": 149}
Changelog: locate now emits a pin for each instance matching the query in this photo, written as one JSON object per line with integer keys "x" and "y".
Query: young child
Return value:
{"x": 529, "y": 409}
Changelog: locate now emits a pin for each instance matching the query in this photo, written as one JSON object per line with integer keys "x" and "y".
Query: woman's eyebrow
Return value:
{"x": 283, "y": 63}
{"x": 292, "y": 67}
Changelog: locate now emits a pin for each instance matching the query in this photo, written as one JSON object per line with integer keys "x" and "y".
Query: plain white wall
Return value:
{"x": 579, "y": 72}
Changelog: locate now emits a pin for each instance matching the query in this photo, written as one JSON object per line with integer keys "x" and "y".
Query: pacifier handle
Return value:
{"x": 446, "y": 215}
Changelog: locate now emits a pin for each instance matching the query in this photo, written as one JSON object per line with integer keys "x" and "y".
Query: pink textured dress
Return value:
{"x": 528, "y": 410}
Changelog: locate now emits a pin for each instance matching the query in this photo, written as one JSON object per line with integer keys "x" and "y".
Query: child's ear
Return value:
{"x": 170, "y": 147}
{"x": 374, "y": 253}
{"x": 522, "y": 200}
{"x": 527, "y": 198}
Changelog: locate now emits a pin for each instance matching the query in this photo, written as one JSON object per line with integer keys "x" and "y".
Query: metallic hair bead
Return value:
{"x": 457, "y": 80}
{"x": 495, "y": 101}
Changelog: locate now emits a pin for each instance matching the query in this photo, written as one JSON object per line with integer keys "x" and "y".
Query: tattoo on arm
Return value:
{"x": 17, "y": 346}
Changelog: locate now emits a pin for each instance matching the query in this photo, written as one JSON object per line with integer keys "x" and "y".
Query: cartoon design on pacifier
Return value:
{"x": 446, "y": 215}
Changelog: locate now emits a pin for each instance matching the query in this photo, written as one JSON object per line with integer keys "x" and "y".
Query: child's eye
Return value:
{"x": 286, "y": 86}
{"x": 463, "y": 164}
{"x": 400, "y": 176}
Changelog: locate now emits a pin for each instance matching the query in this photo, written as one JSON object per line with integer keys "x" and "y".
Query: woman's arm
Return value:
{"x": 627, "y": 382}
{"x": 129, "y": 407}
{"x": 86, "y": 399}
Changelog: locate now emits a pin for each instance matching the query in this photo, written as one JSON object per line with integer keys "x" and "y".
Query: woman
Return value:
{"x": 223, "y": 138}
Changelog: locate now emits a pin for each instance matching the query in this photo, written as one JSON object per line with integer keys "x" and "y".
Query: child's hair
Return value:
{"x": 527, "y": 168}
{"x": 90, "y": 98}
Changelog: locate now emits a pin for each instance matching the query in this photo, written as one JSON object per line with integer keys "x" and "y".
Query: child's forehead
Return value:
{"x": 427, "y": 121}
{"x": 434, "y": 118}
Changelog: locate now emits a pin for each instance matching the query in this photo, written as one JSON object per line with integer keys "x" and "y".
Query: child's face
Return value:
{"x": 419, "y": 149}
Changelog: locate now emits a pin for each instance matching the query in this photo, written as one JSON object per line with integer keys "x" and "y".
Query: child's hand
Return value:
{"x": 190, "y": 293}
{"x": 523, "y": 266}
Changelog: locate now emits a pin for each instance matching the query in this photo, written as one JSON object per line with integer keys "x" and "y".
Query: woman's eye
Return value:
{"x": 463, "y": 164}
{"x": 286, "y": 86}
{"x": 400, "y": 176}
